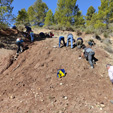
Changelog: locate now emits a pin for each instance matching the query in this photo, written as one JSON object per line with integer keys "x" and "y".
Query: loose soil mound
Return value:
{"x": 30, "y": 84}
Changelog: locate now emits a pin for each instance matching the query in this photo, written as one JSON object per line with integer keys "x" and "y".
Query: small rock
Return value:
{"x": 91, "y": 107}
{"x": 102, "y": 105}
{"x": 42, "y": 65}
{"x": 41, "y": 100}
{"x": 21, "y": 101}
{"x": 102, "y": 76}
{"x": 54, "y": 46}
{"x": 61, "y": 84}
{"x": 65, "y": 98}
{"x": 12, "y": 97}
{"x": 100, "y": 108}
{"x": 79, "y": 58}
{"x": 55, "y": 101}
{"x": 61, "y": 112}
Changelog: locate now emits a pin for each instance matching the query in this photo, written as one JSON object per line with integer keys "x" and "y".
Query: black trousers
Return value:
{"x": 19, "y": 47}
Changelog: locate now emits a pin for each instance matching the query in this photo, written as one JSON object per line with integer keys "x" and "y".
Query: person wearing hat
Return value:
{"x": 110, "y": 72}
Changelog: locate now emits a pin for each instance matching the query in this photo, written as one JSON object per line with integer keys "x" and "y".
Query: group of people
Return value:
{"x": 19, "y": 41}
{"x": 88, "y": 53}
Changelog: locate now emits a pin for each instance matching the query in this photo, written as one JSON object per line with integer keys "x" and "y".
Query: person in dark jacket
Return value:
{"x": 79, "y": 42}
{"x": 28, "y": 29}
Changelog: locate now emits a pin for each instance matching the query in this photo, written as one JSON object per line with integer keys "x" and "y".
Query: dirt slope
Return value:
{"x": 30, "y": 84}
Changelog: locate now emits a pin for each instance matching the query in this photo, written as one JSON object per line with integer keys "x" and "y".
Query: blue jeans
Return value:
{"x": 32, "y": 36}
{"x": 61, "y": 38}
{"x": 70, "y": 37}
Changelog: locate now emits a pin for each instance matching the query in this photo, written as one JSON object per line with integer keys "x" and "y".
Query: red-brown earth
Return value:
{"x": 30, "y": 83}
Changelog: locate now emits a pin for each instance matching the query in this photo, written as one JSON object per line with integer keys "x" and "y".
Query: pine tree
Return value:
{"x": 40, "y": 9}
{"x": 6, "y": 11}
{"x": 90, "y": 12}
{"x": 89, "y": 15}
{"x": 49, "y": 18}
{"x": 22, "y": 17}
{"x": 31, "y": 14}
{"x": 105, "y": 13}
{"x": 64, "y": 12}
{"x": 67, "y": 13}
{"x": 79, "y": 19}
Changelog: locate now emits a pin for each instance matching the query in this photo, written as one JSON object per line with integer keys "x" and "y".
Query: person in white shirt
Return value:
{"x": 110, "y": 71}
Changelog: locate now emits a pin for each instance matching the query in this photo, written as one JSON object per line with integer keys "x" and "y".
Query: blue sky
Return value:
{"x": 52, "y": 4}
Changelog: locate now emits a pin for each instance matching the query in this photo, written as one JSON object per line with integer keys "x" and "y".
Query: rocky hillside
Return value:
{"x": 30, "y": 84}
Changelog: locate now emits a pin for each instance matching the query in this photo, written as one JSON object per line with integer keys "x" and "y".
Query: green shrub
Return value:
{"x": 89, "y": 31}
{"x": 21, "y": 27}
{"x": 79, "y": 33}
{"x": 106, "y": 35}
{"x": 3, "y": 26}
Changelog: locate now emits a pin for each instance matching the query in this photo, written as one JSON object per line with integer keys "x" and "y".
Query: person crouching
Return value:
{"x": 88, "y": 53}
{"x": 19, "y": 42}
